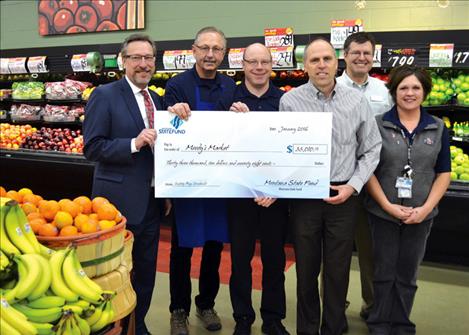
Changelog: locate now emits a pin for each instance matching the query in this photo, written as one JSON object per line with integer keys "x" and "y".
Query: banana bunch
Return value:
{"x": 7, "y": 268}
{"x": 102, "y": 316}
{"x": 13, "y": 322}
{"x": 16, "y": 235}
{"x": 71, "y": 323}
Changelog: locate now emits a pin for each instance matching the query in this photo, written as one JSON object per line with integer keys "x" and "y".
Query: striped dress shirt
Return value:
{"x": 356, "y": 141}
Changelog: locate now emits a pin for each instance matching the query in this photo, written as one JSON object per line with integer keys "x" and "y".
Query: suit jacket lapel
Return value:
{"x": 132, "y": 105}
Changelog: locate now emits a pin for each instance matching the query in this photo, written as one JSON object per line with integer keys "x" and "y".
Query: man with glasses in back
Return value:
{"x": 198, "y": 222}
{"x": 119, "y": 136}
{"x": 359, "y": 49}
{"x": 261, "y": 217}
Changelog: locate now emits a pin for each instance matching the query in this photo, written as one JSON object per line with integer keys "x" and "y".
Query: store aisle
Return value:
{"x": 441, "y": 306}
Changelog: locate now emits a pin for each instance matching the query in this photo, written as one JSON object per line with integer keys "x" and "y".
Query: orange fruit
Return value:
{"x": 68, "y": 231}
{"x": 48, "y": 209}
{"x": 107, "y": 212}
{"x": 63, "y": 219}
{"x": 91, "y": 226}
{"x": 36, "y": 224}
{"x": 48, "y": 229}
{"x": 63, "y": 202}
{"x": 97, "y": 202}
{"x": 14, "y": 195}
{"x": 32, "y": 198}
{"x": 34, "y": 215}
{"x": 79, "y": 220}
{"x": 118, "y": 217}
{"x": 106, "y": 224}
{"x": 85, "y": 203}
{"x": 94, "y": 217}
{"x": 70, "y": 207}
{"x": 3, "y": 192}
{"x": 24, "y": 191}
{"x": 29, "y": 207}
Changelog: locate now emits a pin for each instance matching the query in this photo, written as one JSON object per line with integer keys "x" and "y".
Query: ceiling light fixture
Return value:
{"x": 360, "y": 4}
{"x": 442, "y": 3}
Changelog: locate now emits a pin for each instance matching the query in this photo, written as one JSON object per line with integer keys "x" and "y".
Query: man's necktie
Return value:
{"x": 148, "y": 108}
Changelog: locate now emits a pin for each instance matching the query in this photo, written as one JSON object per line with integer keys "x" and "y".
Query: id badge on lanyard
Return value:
{"x": 404, "y": 183}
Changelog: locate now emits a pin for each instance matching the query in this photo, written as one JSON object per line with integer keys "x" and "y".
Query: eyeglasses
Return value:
{"x": 137, "y": 59}
{"x": 359, "y": 53}
{"x": 205, "y": 49}
{"x": 253, "y": 62}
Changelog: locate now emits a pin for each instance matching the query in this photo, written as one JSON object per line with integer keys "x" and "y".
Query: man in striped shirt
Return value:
{"x": 323, "y": 229}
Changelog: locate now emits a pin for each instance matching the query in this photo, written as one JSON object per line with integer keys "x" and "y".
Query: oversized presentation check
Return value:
{"x": 243, "y": 155}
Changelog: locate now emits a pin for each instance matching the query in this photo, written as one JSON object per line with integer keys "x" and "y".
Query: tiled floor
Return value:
{"x": 441, "y": 306}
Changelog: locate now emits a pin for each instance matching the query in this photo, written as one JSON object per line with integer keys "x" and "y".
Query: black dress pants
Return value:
{"x": 179, "y": 274}
{"x": 247, "y": 220}
{"x": 322, "y": 233}
{"x": 144, "y": 256}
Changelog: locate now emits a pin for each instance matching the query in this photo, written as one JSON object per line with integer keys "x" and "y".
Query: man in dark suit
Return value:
{"x": 119, "y": 136}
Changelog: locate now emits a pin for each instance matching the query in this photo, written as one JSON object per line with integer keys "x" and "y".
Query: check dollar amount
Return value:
{"x": 243, "y": 155}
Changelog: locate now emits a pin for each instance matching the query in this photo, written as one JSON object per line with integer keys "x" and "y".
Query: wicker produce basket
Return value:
{"x": 119, "y": 280}
{"x": 99, "y": 253}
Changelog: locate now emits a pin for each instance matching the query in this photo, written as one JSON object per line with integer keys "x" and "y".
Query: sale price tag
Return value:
{"x": 178, "y": 59}
{"x": 278, "y": 37}
{"x": 393, "y": 57}
{"x": 461, "y": 56}
{"x": 377, "y": 55}
{"x": 441, "y": 55}
{"x": 282, "y": 57}
{"x": 235, "y": 58}
{"x": 4, "y": 66}
{"x": 17, "y": 65}
{"x": 341, "y": 29}
{"x": 37, "y": 64}
{"x": 79, "y": 63}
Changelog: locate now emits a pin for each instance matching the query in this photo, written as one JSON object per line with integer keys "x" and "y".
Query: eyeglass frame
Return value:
{"x": 360, "y": 53}
{"x": 207, "y": 49}
{"x": 138, "y": 58}
{"x": 253, "y": 62}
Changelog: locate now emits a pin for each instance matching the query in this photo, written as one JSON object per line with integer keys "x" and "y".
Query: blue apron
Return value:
{"x": 200, "y": 219}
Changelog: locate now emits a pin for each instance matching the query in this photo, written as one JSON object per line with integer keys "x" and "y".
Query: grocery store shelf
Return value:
{"x": 459, "y": 189}
{"x": 45, "y": 156}
{"x": 460, "y": 139}
{"x": 446, "y": 108}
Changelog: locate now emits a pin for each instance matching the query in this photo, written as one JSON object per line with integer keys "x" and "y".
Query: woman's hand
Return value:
{"x": 400, "y": 212}
{"x": 417, "y": 215}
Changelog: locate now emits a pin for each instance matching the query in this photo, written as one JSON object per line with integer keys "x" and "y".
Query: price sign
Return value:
{"x": 235, "y": 58}
{"x": 4, "y": 66}
{"x": 282, "y": 57}
{"x": 392, "y": 57}
{"x": 17, "y": 65}
{"x": 278, "y": 37}
{"x": 441, "y": 55}
{"x": 178, "y": 59}
{"x": 377, "y": 55}
{"x": 37, "y": 64}
{"x": 341, "y": 29}
{"x": 461, "y": 56}
{"x": 79, "y": 63}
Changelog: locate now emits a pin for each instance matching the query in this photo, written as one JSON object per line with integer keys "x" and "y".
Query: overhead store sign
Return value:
{"x": 278, "y": 37}
{"x": 377, "y": 55}
{"x": 4, "y": 66}
{"x": 235, "y": 58}
{"x": 178, "y": 59}
{"x": 461, "y": 56}
{"x": 396, "y": 56}
{"x": 441, "y": 55}
{"x": 79, "y": 63}
{"x": 17, "y": 65}
{"x": 282, "y": 57}
{"x": 341, "y": 29}
{"x": 37, "y": 64}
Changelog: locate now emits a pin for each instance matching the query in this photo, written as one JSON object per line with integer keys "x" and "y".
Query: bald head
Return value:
{"x": 256, "y": 49}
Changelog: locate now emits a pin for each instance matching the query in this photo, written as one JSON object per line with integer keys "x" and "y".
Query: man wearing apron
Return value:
{"x": 198, "y": 222}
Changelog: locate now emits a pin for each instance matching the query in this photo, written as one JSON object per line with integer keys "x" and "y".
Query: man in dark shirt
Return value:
{"x": 198, "y": 222}
{"x": 263, "y": 217}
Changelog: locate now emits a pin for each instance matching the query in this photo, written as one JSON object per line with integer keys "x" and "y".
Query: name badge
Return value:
{"x": 404, "y": 187}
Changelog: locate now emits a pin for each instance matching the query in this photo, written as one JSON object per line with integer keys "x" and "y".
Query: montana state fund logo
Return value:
{"x": 176, "y": 122}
